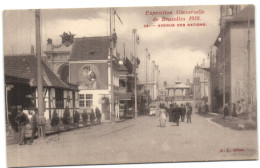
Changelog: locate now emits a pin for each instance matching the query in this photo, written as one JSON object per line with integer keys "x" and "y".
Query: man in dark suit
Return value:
{"x": 177, "y": 114}
{"x": 183, "y": 112}
{"x": 171, "y": 113}
{"x": 21, "y": 119}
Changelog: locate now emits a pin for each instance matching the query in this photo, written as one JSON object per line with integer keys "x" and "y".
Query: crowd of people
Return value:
{"x": 37, "y": 127}
{"x": 175, "y": 113}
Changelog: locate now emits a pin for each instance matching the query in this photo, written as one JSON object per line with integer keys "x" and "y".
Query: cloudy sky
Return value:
{"x": 175, "y": 49}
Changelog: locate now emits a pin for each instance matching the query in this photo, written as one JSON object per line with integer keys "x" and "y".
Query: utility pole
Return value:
{"x": 153, "y": 80}
{"x": 146, "y": 57}
{"x": 42, "y": 119}
{"x": 204, "y": 95}
{"x": 249, "y": 73}
{"x": 222, "y": 29}
{"x": 224, "y": 65}
{"x": 135, "y": 66}
{"x": 211, "y": 80}
{"x": 111, "y": 71}
{"x": 224, "y": 84}
{"x": 147, "y": 93}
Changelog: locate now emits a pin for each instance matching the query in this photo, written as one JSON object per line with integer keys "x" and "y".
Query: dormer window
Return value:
{"x": 91, "y": 52}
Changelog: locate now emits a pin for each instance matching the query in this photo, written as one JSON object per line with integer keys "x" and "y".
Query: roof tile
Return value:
{"x": 90, "y": 48}
{"x": 25, "y": 66}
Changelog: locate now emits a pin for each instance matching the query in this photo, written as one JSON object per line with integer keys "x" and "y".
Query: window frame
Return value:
{"x": 59, "y": 98}
{"x": 85, "y": 100}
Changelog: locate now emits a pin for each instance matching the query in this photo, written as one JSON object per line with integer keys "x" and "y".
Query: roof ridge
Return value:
{"x": 45, "y": 77}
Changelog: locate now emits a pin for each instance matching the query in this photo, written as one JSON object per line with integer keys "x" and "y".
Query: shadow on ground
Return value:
{"x": 241, "y": 122}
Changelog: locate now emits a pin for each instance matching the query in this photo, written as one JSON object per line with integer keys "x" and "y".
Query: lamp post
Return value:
{"x": 224, "y": 68}
{"x": 146, "y": 76}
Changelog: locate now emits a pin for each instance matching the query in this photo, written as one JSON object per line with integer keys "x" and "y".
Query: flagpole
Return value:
{"x": 42, "y": 120}
{"x": 135, "y": 65}
{"x": 112, "y": 114}
{"x": 146, "y": 57}
{"x": 248, "y": 66}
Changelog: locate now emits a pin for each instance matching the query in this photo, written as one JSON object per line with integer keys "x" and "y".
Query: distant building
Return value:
{"x": 126, "y": 88}
{"x": 201, "y": 85}
{"x": 162, "y": 94}
{"x": 178, "y": 93}
{"x": 149, "y": 75}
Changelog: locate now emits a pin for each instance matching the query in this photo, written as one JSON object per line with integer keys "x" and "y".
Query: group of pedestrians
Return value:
{"x": 175, "y": 113}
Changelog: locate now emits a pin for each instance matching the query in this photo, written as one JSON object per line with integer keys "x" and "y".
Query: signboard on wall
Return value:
{"x": 89, "y": 76}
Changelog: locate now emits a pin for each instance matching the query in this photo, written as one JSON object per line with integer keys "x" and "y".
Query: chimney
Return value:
{"x": 49, "y": 44}
{"x": 49, "y": 41}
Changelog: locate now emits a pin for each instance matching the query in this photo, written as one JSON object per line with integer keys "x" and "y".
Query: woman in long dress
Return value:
{"x": 162, "y": 116}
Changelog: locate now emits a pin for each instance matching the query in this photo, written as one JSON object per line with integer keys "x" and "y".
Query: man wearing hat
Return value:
{"x": 21, "y": 119}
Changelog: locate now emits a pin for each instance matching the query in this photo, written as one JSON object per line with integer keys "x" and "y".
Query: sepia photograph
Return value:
{"x": 129, "y": 85}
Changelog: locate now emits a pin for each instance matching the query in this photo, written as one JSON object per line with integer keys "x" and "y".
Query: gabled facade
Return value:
{"x": 90, "y": 69}
{"x": 21, "y": 87}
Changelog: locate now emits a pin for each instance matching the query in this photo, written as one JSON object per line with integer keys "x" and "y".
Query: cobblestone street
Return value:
{"x": 137, "y": 141}
{"x": 119, "y": 85}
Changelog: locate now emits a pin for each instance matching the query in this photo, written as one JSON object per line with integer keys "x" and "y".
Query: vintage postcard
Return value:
{"x": 119, "y": 85}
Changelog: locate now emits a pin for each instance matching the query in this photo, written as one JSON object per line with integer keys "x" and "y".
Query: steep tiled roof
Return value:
{"x": 90, "y": 48}
{"x": 25, "y": 67}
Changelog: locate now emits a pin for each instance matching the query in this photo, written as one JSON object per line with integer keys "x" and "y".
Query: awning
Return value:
{"x": 12, "y": 80}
